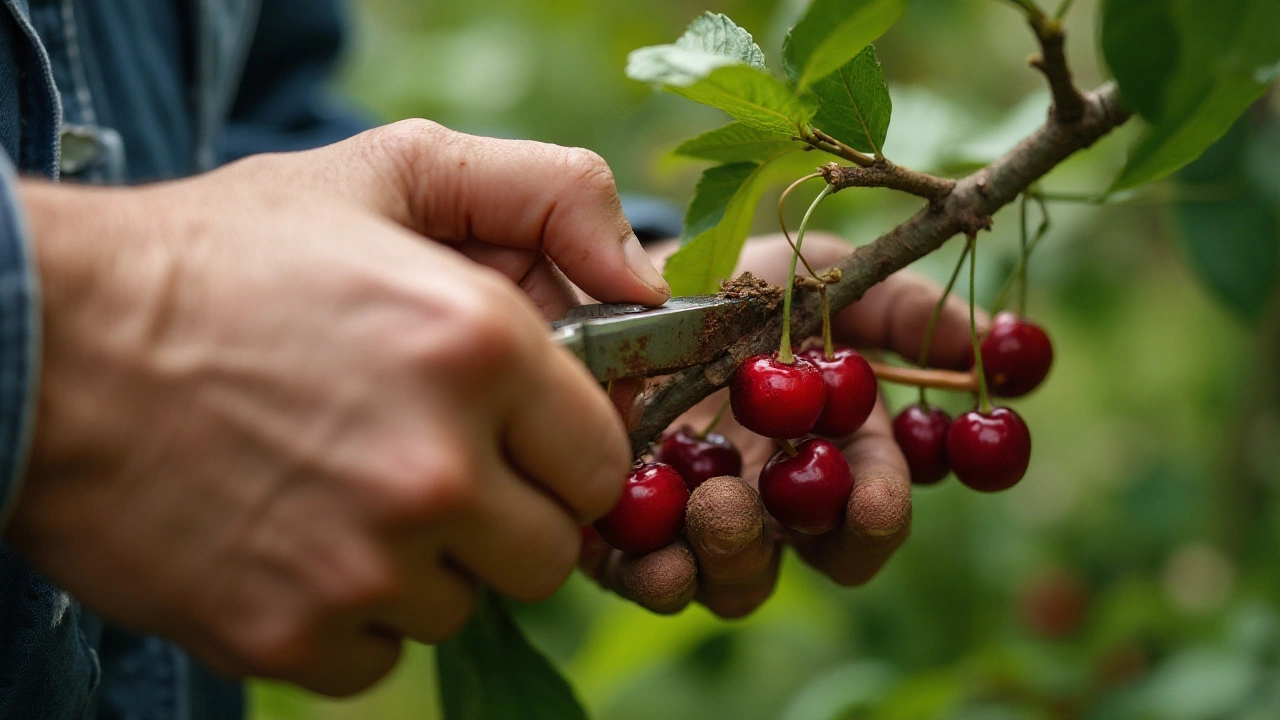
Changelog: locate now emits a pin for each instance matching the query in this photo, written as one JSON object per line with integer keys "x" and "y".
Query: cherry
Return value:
{"x": 989, "y": 451}
{"x": 1056, "y": 605}
{"x": 650, "y": 512}
{"x": 777, "y": 399}
{"x": 807, "y": 492}
{"x": 921, "y": 433}
{"x": 851, "y": 390}
{"x": 1016, "y": 355}
{"x": 698, "y": 458}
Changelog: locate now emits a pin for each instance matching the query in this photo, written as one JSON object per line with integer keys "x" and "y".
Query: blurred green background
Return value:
{"x": 1135, "y": 573}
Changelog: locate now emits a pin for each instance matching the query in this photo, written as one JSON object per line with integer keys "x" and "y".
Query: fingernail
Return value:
{"x": 642, "y": 267}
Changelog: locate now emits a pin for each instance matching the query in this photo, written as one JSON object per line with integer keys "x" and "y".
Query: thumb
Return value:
{"x": 522, "y": 194}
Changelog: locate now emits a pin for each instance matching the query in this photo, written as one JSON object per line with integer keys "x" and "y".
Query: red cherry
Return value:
{"x": 922, "y": 436}
{"x": 1056, "y": 605}
{"x": 699, "y": 459}
{"x": 1016, "y": 356}
{"x": 774, "y": 399}
{"x": 851, "y": 390}
{"x": 650, "y": 512}
{"x": 808, "y": 492}
{"x": 990, "y": 451}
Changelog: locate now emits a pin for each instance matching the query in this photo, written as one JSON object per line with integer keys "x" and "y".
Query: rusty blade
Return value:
{"x": 621, "y": 341}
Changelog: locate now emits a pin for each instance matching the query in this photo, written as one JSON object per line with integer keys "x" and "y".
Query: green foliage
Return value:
{"x": 855, "y": 104}
{"x": 735, "y": 143}
{"x": 717, "y": 223}
{"x": 831, "y": 33}
{"x": 1191, "y": 87}
{"x": 717, "y": 63}
{"x": 489, "y": 671}
{"x": 1229, "y": 226}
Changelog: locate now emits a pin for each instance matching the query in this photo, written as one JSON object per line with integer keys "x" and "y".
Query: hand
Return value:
{"x": 730, "y": 560}
{"x": 280, "y": 428}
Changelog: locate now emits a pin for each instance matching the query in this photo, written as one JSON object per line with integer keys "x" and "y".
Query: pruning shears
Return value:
{"x": 624, "y": 341}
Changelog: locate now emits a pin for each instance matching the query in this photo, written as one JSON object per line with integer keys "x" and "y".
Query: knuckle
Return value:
{"x": 491, "y": 336}
{"x": 431, "y": 486}
{"x": 585, "y": 168}
{"x": 276, "y": 649}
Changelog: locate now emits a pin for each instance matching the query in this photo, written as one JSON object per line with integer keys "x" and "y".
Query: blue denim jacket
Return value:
{"x": 116, "y": 91}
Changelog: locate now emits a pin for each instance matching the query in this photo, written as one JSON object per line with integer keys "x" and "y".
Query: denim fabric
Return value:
{"x": 111, "y": 92}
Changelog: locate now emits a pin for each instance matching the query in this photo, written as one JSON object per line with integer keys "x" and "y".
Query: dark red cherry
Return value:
{"x": 699, "y": 459}
{"x": 808, "y": 492}
{"x": 1016, "y": 355}
{"x": 650, "y": 513}
{"x": 922, "y": 436}
{"x": 990, "y": 451}
{"x": 851, "y": 390}
{"x": 776, "y": 399}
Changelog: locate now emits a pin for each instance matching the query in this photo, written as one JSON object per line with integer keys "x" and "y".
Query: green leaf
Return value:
{"x": 712, "y": 252}
{"x": 489, "y": 671}
{"x": 1227, "y": 58}
{"x": 1229, "y": 228}
{"x": 749, "y": 94}
{"x": 831, "y": 32}
{"x": 715, "y": 33}
{"x": 715, "y": 191}
{"x": 855, "y": 104}
{"x": 1142, "y": 48}
{"x": 734, "y": 143}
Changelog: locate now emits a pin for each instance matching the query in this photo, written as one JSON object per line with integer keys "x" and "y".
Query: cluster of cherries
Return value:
{"x": 818, "y": 394}
{"x": 989, "y": 450}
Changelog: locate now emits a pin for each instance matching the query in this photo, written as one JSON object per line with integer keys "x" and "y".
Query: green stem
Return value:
{"x": 784, "y": 346}
{"x": 933, "y": 319}
{"x": 1022, "y": 256}
{"x": 1033, "y": 11}
{"x": 1002, "y": 298}
{"x": 984, "y": 402}
{"x": 1062, "y": 9}
{"x": 715, "y": 420}
{"x": 786, "y": 446}
{"x": 782, "y": 221}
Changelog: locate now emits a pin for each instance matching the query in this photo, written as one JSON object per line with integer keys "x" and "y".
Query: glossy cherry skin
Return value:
{"x": 809, "y": 492}
{"x": 851, "y": 390}
{"x": 991, "y": 451}
{"x": 650, "y": 513}
{"x": 1016, "y": 356}
{"x": 922, "y": 436}
{"x": 776, "y": 399}
{"x": 698, "y": 459}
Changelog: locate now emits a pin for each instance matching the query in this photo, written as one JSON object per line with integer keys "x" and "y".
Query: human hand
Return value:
{"x": 278, "y": 427}
{"x": 730, "y": 559}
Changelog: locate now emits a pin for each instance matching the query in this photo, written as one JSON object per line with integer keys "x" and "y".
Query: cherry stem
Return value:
{"x": 933, "y": 320}
{"x": 784, "y": 346}
{"x": 715, "y": 420}
{"x": 1022, "y": 256}
{"x": 984, "y": 402}
{"x": 786, "y": 446}
{"x": 828, "y": 347}
{"x": 1002, "y": 298}
{"x": 922, "y": 378}
{"x": 782, "y": 221}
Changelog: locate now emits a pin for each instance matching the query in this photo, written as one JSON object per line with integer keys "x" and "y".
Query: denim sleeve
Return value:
{"x": 285, "y": 100}
{"x": 19, "y": 341}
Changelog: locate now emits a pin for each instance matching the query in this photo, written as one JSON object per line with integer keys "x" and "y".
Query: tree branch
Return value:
{"x": 1068, "y": 103}
{"x": 966, "y": 209}
{"x": 887, "y": 175}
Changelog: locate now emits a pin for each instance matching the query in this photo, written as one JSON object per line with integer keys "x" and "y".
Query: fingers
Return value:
{"x": 521, "y": 194}
{"x": 433, "y": 606}
{"x": 878, "y": 516}
{"x": 531, "y": 270}
{"x": 663, "y": 581}
{"x": 565, "y": 435}
{"x": 737, "y": 557}
{"x": 895, "y": 314}
{"x": 515, "y": 539}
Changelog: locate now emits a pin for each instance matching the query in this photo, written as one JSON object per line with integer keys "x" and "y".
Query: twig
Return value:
{"x": 966, "y": 209}
{"x": 922, "y": 378}
{"x": 1068, "y": 103}
{"x": 885, "y": 174}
